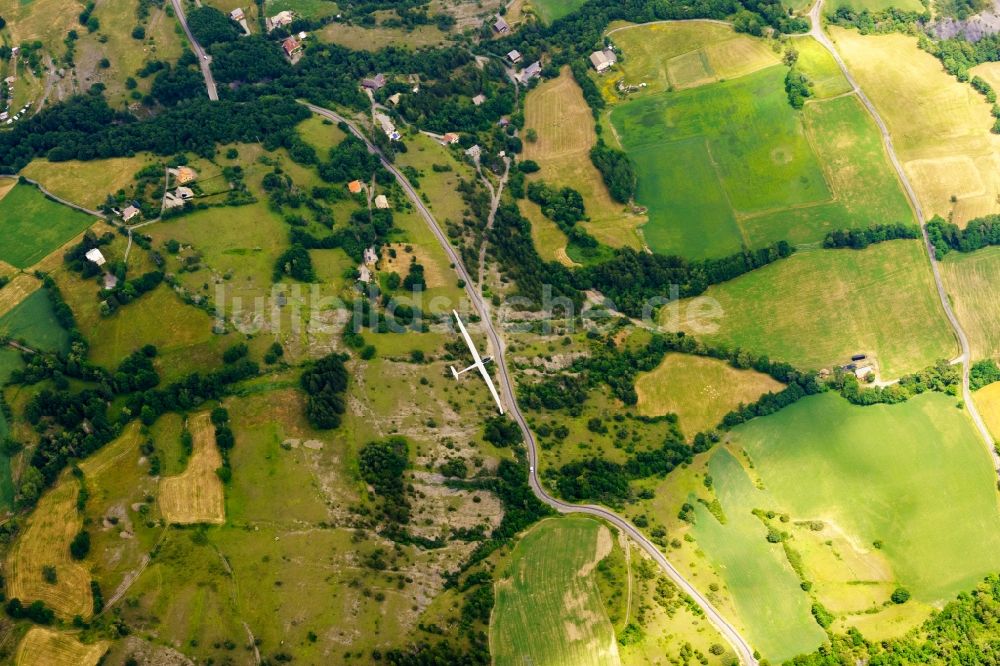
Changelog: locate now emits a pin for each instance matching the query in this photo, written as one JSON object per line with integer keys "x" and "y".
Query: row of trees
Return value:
{"x": 86, "y": 128}
{"x": 632, "y": 278}
{"x": 978, "y": 233}
{"x": 858, "y": 239}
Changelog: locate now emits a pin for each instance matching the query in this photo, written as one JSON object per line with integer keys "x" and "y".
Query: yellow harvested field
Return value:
{"x": 940, "y": 127}
{"x": 988, "y": 402}
{"x": 549, "y": 239}
{"x": 6, "y": 185}
{"x": 400, "y": 264}
{"x": 41, "y": 646}
{"x": 19, "y": 288}
{"x": 45, "y": 542}
{"x": 87, "y": 183}
{"x": 699, "y": 390}
{"x": 684, "y": 54}
{"x": 970, "y": 281}
{"x": 196, "y": 496}
{"x": 113, "y": 454}
{"x": 557, "y": 111}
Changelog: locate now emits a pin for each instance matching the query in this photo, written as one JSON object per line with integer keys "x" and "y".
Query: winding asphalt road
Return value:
{"x": 731, "y": 634}
{"x": 816, "y": 31}
{"x": 203, "y": 59}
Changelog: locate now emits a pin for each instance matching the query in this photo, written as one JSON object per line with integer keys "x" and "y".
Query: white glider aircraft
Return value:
{"x": 479, "y": 363}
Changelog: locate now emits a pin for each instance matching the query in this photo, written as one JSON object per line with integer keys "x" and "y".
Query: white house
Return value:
{"x": 95, "y": 256}
{"x": 514, "y": 56}
{"x": 381, "y": 202}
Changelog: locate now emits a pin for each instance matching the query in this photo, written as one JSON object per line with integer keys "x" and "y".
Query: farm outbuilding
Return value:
{"x": 376, "y": 82}
{"x": 603, "y": 60}
{"x": 531, "y": 71}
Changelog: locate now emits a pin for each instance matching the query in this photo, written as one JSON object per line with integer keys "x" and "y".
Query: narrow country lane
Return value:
{"x": 203, "y": 59}
{"x": 965, "y": 358}
{"x": 728, "y": 631}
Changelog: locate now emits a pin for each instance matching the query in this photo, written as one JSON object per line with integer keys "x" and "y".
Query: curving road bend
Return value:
{"x": 965, "y": 358}
{"x": 728, "y": 631}
{"x": 203, "y": 59}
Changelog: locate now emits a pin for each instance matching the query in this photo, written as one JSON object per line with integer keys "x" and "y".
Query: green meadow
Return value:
{"x": 875, "y": 5}
{"x": 548, "y": 606}
{"x": 33, "y": 226}
{"x": 550, "y": 10}
{"x": 34, "y": 322}
{"x": 817, "y": 308}
{"x": 731, "y": 164}
{"x": 817, "y": 64}
{"x": 905, "y": 494}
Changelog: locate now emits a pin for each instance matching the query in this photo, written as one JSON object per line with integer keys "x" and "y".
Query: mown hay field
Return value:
{"x": 684, "y": 54}
{"x": 857, "y": 169}
{"x": 322, "y": 136}
{"x": 53, "y": 648}
{"x": 699, "y": 390}
{"x": 33, "y": 321}
{"x": 86, "y": 183}
{"x": 33, "y": 226}
{"x": 45, "y": 542}
{"x": 884, "y": 483}
{"x": 557, "y": 111}
{"x": 181, "y": 333}
{"x": 874, "y": 5}
{"x": 19, "y": 288}
{"x": 732, "y": 164}
{"x": 548, "y": 607}
{"x": 196, "y": 495}
{"x": 970, "y": 281}
{"x": 816, "y": 63}
{"x": 817, "y": 308}
{"x": 939, "y": 126}
{"x": 550, "y": 10}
